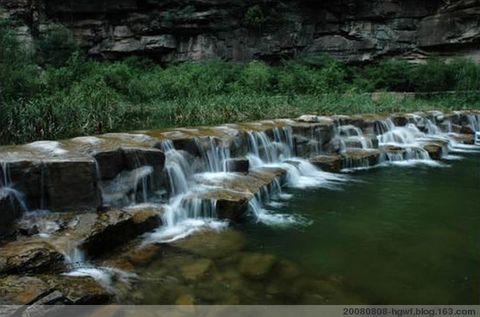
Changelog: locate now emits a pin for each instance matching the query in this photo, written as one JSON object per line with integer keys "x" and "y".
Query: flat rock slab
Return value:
{"x": 100, "y": 233}
{"x": 463, "y": 138}
{"x": 29, "y": 256}
{"x": 435, "y": 150}
{"x": 233, "y": 191}
{"x": 212, "y": 244}
{"x": 353, "y": 158}
{"x": 93, "y": 233}
{"x": 47, "y": 289}
{"x": 328, "y": 163}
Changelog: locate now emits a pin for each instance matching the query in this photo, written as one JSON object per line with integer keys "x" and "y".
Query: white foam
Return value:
{"x": 103, "y": 275}
{"x": 88, "y": 140}
{"x": 183, "y": 229}
{"x": 52, "y": 147}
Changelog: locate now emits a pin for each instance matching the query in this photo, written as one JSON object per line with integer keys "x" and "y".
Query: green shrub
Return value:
{"x": 254, "y": 17}
{"x": 56, "y": 45}
{"x": 435, "y": 75}
{"x": 255, "y": 77}
{"x": 19, "y": 76}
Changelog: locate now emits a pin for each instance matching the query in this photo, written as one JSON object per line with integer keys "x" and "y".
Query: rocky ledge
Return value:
{"x": 352, "y": 30}
{"x": 77, "y": 209}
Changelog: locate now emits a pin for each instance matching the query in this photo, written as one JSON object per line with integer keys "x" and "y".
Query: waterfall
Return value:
{"x": 352, "y": 136}
{"x": 7, "y": 188}
{"x": 127, "y": 188}
{"x": 401, "y": 144}
{"x": 474, "y": 122}
{"x": 184, "y": 213}
{"x": 215, "y": 155}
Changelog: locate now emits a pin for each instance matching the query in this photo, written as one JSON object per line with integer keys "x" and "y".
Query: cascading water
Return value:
{"x": 352, "y": 137}
{"x": 185, "y": 213}
{"x": 215, "y": 155}
{"x": 402, "y": 144}
{"x": 7, "y": 189}
{"x": 300, "y": 173}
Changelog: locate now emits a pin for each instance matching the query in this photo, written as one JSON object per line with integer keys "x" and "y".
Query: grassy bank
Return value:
{"x": 56, "y": 92}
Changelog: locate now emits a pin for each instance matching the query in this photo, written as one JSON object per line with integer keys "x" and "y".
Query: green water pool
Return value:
{"x": 388, "y": 235}
{"x": 398, "y": 235}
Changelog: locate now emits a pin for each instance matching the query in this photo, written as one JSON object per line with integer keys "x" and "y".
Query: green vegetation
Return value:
{"x": 57, "y": 92}
{"x": 254, "y": 17}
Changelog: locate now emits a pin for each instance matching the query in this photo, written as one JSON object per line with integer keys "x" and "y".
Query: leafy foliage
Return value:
{"x": 254, "y": 17}
{"x": 58, "y": 92}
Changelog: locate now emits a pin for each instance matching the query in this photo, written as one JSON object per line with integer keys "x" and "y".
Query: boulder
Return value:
{"x": 212, "y": 244}
{"x": 240, "y": 165}
{"x": 354, "y": 158}
{"x": 434, "y": 150}
{"x": 114, "y": 228}
{"x": 256, "y": 266}
{"x": 234, "y": 193}
{"x": 71, "y": 184}
{"x": 196, "y": 270}
{"x": 328, "y": 163}
{"x": 31, "y": 256}
{"x": 466, "y": 130}
{"x": 60, "y": 183}
{"x": 464, "y": 138}
{"x": 400, "y": 119}
{"x": 79, "y": 290}
{"x": 143, "y": 255}
{"x": 22, "y": 290}
{"x": 109, "y": 163}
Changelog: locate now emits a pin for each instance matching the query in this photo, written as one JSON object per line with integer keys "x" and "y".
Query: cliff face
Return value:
{"x": 241, "y": 30}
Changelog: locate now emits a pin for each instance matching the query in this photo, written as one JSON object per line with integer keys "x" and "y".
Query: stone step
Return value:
{"x": 232, "y": 192}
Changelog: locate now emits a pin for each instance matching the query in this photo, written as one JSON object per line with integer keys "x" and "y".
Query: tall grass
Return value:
{"x": 56, "y": 92}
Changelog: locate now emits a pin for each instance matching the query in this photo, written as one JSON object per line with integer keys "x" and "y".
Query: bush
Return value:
{"x": 19, "y": 76}
{"x": 56, "y": 45}
{"x": 390, "y": 74}
{"x": 435, "y": 75}
{"x": 255, "y": 77}
{"x": 254, "y": 17}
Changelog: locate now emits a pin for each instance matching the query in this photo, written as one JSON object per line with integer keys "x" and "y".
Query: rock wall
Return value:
{"x": 238, "y": 30}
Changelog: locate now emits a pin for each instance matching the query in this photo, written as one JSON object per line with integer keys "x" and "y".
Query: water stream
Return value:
{"x": 386, "y": 218}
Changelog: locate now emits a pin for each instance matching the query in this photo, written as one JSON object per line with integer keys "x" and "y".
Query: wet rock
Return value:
{"x": 188, "y": 145}
{"x": 110, "y": 163}
{"x": 135, "y": 157}
{"x": 434, "y": 150}
{"x": 256, "y": 266}
{"x": 353, "y": 158}
{"x": 240, "y": 165}
{"x": 29, "y": 256}
{"x": 394, "y": 150}
{"x": 142, "y": 255}
{"x": 211, "y": 244}
{"x": 400, "y": 119}
{"x": 79, "y": 290}
{"x": 286, "y": 270}
{"x": 237, "y": 190}
{"x": 185, "y": 300}
{"x": 230, "y": 206}
{"x": 71, "y": 185}
{"x": 467, "y": 130}
{"x": 10, "y": 210}
{"x": 328, "y": 163}
{"x": 322, "y": 132}
{"x": 197, "y": 269}
{"x": 114, "y": 228}
{"x": 464, "y": 138}
{"x": 22, "y": 290}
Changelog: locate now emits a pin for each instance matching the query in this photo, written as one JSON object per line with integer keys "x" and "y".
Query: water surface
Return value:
{"x": 398, "y": 235}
